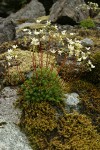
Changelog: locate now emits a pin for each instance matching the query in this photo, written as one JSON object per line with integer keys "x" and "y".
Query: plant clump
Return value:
{"x": 87, "y": 23}
{"x": 44, "y": 85}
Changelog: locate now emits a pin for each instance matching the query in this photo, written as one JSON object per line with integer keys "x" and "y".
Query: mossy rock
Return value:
{"x": 89, "y": 100}
{"x": 43, "y": 18}
{"x": 47, "y": 130}
{"x": 32, "y": 26}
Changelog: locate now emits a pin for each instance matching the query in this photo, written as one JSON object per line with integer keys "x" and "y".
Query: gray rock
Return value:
{"x": 87, "y": 42}
{"x": 2, "y": 67}
{"x": 31, "y": 11}
{"x": 69, "y": 10}
{"x": 71, "y": 101}
{"x": 7, "y": 109}
{"x": 97, "y": 19}
{"x": 7, "y": 31}
{"x": 1, "y": 20}
{"x": 11, "y": 138}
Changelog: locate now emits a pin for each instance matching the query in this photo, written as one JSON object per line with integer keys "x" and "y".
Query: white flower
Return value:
{"x": 77, "y": 53}
{"x": 63, "y": 32}
{"x": 36, "y": 32}
{"x": 89, "y": 62}
{"x": 10, "y": 51}
{"x": 70, "y": 41}
{"x": 29, "y": 32}
{"x": 84, "y": 56}
{"x": 78, "y": 45}
{"x": 72, "y": 33}
{"x": 70, "y": 47}
{"x": 14, "y": 46}
{"x": 56, "y": 35}
{"x": 44, "y": 37}
{"x": 88, "y": 53}
{"x": 71, "y": 53}
{"x": 38, "y": 21}
{"x": 92, "y": 66}
{"x": 16, "y": 56}
{"x": 35, "y": 41}
{"x": 77, "y": 41}
{"x": 9, "y": 57}
{"x": 9, "y": 64}
{"x": 48, "y": 23}
{"x": 87, "y": 48}
{"x": 59, "y": 52}
{"x": 79, "y": 59}
{"x": 25, "y": 30}
{"x": 52, "y": 51}
{"x": 56, "y": 27}
{"x": 41, "y": 31}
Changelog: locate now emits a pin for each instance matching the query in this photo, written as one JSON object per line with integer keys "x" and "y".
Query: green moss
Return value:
{"x": 75, "y": 132}
{"x": 90, "y": 100}
{"x": 50, "y": 127}
{"x": 87, "y": 23}
{"x": 47, "y": 131}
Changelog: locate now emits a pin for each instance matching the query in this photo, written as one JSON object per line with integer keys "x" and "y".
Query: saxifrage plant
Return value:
{"x": 44, "y": 85}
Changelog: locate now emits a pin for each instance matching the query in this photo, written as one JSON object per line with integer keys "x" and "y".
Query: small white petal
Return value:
{"x": 92, "y": 66}
{"x": 59, "y": 52}
{"x": 72, "y": 33}
{"x": 63, "y": 32}
{"x": 36, "y": 32}
{"x": 10, "y": 50}
{"x": 25, "y": 30}
{"x": 9, "y": 64}
{"x": 38, "y": 21}
{"x": 9, "y": 57}
{"x": 53, "y": 51}
{"x": 87, "y": 48}
{"x": 79, "y": 59}
{"x": 14, "y": 46}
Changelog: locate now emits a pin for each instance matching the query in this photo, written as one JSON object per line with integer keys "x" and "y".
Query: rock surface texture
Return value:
{"x": 32, "y": 10}
{"x": 71, "y": 10}
{"x": 71, "y": 102}
{"x": 11, "y": 138}
{"x": 7, "y": 31}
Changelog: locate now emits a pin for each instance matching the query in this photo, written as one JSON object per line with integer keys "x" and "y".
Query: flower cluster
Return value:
{"x": 56, "y": 42}
{"x": 93, "y": 6}
{"x": 27, "y": 31}
{"x": 11, "y": 55}
{"x": 81, "y": 53}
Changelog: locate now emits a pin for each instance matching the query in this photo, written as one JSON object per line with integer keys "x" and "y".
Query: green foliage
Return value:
{"x": 87, "y": 23}
{"x": 50, "y": 130}
{"x": 44, "y": 85}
